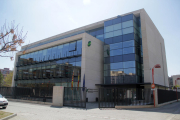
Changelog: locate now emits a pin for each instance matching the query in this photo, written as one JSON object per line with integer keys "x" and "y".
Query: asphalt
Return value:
{"x": 29, "y": 111}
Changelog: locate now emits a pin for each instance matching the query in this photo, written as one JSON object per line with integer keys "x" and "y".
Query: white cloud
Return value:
{"x": 85, "y": 2}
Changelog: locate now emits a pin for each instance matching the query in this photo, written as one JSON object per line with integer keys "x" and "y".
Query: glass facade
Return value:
{"x": 123, "y": 56}
{"x": 123, "y": 50}
{"x": 53, "y": 66}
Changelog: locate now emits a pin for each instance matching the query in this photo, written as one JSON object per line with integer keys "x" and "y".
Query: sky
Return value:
{"x": 46, "y": 18}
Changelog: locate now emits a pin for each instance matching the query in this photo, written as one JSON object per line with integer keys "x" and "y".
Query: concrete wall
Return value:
{"x": 92, "y": 65}
{"x": 153, "y": 51}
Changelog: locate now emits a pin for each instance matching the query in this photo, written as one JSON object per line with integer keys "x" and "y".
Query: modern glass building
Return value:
{"x": 116, "y": 52}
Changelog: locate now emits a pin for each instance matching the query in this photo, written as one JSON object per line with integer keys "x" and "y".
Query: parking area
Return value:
{"x": 29, "y": 111}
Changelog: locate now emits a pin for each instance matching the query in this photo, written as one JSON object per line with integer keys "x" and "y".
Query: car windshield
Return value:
{"x": 1, "y": 96}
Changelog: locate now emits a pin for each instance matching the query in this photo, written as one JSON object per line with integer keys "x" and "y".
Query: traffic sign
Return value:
{"x": 153, "y": 86}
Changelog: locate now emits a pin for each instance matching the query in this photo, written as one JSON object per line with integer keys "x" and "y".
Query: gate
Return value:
{"x": 75, "y": 97}
{"x": 106, "y": 97}
{"x": 110, "y": 97}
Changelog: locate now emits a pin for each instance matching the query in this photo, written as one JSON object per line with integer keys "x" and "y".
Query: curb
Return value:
{"x": 8, "y": 117}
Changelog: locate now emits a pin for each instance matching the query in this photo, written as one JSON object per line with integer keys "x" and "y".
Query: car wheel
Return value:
{"x": 4, "y": 107}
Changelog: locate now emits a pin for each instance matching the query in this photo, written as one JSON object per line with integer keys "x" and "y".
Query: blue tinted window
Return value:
{"x": 72, "y": 60}
{"x": 78, "y": 64}
{"x": 108, "y": 35}
{"x": 127, "y": 17}
{"x": 127, "y": 24}
{"x": 128, "y": 30}
{"x": 130, "y": 71}
{"x": 128, "y": 37}
{"x": 117, "y": 33}
{"x": 128, "y": 50}
{"x": 92, "y": 33}
{"x": 117, "y": 39}
{"x": 100, "y": 37}
{"x": 115, "y": 46}
{"x": 60, "y": 51}
{"x": 129, "y": 64}
{"x": 117, "y": 26}
{"x": 108, "y": 41}
{"x": 78, "y": 59}
{"x": 79, "y": 47}
{"x": 66, "y": 61}
{"x": 101, "y": 31}
{"x": 116, "y": 52}
{"x": 117, "y": 20}
{"x": 118, "y": 58}
{"x": 108, "y": 29}
{"x": 72, "y": 46}
{"x": 116, "y": 65}
{"x": 129, "y": 57}
{"x": 65, "y": 50}
{"x": 54, "y": 50}
{"x": 106, "y": 60}
{"x": 128, "y": 43}
{"x": 108, "y": 23}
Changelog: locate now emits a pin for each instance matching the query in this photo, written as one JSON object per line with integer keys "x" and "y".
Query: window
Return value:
{"x": 72, "y": 46}
{"x": 127, "y": 24}
{"x": 130, "y": 71}
{"x": 116, "y": 52}
{"x": 109, "y": 41}
{"x": 108, "y": 29}
{"x": 127, "y": 17}
{"x": 108, "y": 35}
{"x": 117, "y": 39}
{"x": 100, "y": 37}
{"x": 128, "y": 43}
{"x": 117, "y": 20}
{"x": 108, "y": 23}
{"x": 106, "y": 66}
{"x": 129, "y": 57}
{"x": 117, "y": 33}
{"x": 117, "y": 26}
{"x": 129, "y": 64}
{"x": 118, "y": 59}
{"x": 116, "y": 65}
{"x": 128, "y": 30}
{"x": 128, "y": 37}
{"x": 128, "y": 50}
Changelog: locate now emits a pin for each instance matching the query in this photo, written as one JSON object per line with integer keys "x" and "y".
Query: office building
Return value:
{"x": 116, "y": 52}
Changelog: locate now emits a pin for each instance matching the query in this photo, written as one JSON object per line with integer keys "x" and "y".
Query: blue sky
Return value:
{"x": 45, "y": 18}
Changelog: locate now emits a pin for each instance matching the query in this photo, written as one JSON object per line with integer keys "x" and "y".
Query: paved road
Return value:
{"x": 27, "y": 111}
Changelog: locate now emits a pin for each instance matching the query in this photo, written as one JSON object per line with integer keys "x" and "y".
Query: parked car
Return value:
{"x": 3, "y": 102}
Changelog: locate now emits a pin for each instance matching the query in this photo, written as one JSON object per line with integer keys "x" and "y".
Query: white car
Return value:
{"x": 3, "y": 102}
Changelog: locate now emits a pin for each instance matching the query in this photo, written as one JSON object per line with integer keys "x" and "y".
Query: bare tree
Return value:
{"x": 10, "y": 39}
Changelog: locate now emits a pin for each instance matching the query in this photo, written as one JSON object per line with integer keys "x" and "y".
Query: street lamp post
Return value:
{"x": 153, "y": 85}
{"x": 176, "y": 87}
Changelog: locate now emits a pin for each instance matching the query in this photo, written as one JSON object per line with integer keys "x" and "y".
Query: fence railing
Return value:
{"x": 167, "y": 95}
{"x": 111, "y": 97}
{"x": 75, "y": 97}
{"x": 43, "y": 94}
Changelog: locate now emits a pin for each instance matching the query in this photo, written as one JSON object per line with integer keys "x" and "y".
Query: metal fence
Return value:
{"x": 75, "y": 97}
{"x": 43, "y": 94}
{"x": 111, "y": 97}
{"x": 167, "y": 95}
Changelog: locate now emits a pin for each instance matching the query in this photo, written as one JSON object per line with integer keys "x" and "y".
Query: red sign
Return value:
{"x": 153, "y": 86}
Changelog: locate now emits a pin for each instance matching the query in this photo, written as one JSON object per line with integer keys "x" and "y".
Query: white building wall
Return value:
{"x": 153, "y": 51}
{"x": 92, "y": 65}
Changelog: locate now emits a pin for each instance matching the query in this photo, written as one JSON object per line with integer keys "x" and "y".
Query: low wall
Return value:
{"x": 129, "y": 107}
{"x": 29, "y": 101}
